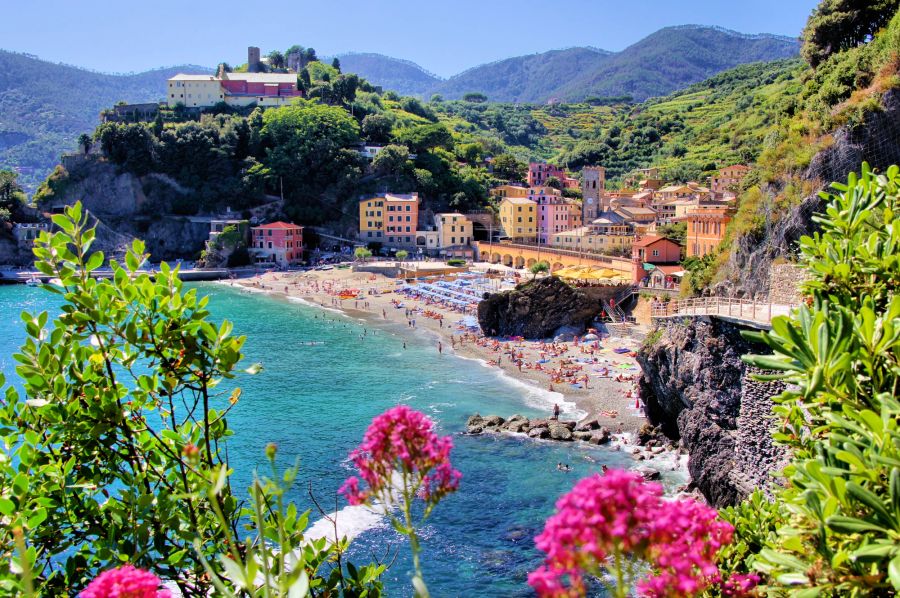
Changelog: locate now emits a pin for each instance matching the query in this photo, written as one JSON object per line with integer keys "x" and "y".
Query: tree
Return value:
{"x": 436, "y": 98}
{"x": 553, "y": 182}
{"x": 508, "y": 168}
{"x": 12, "y": 196}
{"x": 376, "y": 128}
{"x": 85, "y": 142}
{"x": 837, "y": 25}
{"x": 538, "y": 268}
{"x": 425, "y": 137}
{"x": 475, "y": 97}
{"x": 276, "y": 59}
{"x": 336, "y": 64}
{"x": 392, "y": 159}
{"x": 362, "y": 253}
{"x": 677, "y": 232}
{"x": 402, "y": 254}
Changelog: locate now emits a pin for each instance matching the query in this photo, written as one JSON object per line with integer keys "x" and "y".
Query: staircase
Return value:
{"x": 614, "y": 312}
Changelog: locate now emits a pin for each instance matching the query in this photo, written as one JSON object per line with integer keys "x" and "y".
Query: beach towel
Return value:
{"x": 621, "y": 350}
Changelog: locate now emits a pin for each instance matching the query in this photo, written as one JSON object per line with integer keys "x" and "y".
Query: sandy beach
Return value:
{"x": 589, "y": 378}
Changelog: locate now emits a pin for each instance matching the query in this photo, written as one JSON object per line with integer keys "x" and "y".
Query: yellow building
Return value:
{"x": 518, "y": 217}
{"x": 195, "y": 91}
{"x": 453, "y": 229}
{"x": 504, "y": 191}
{"x": 235, "y": 89}
{"x": 371, "y": 220}
{"x": 589, "y": 239}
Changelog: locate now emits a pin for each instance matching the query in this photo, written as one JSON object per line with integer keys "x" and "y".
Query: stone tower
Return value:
{"x": 593, "y": 185}
{"x": 252, "y": 59}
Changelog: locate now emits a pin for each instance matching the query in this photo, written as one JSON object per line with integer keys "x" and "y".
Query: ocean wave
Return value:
{"x": 351, "y": 521}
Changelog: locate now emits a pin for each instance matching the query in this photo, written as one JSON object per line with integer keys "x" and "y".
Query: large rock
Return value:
{"x": 539, "y": 432}
{"x": 583, "y": 436}
{"x": 475, "y": 424}
{"x": 696, "y": 388}
{"x": 560, "y": 431}
{"x": 517, "y": 424}
{"x": 601, "y": 436}
{"x": 537, "y": 309}
{"x": 492, "y": 421}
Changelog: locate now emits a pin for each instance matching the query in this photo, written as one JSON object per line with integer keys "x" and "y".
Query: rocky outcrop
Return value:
{"x": 538, "y": 309}
{"x": 564, "y": 431}
{"x": 697, "y": 390}
{"x": 126, "y": 207}
{"x": 746, "y": 271}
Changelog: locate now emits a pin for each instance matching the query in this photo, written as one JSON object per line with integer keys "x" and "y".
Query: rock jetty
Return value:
{"x": 588, "y": 430}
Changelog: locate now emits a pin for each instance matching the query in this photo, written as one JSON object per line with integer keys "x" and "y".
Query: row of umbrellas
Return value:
{"x": 592, "y": 273}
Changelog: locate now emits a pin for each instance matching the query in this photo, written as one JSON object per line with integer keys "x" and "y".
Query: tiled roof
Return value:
{"x": 278, "y": 225}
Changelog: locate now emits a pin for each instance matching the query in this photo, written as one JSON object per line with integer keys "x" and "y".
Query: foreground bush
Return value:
{"x": 840, "y": 414}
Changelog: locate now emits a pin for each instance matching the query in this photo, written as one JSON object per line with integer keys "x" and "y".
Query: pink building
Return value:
{"x": 650, "y": 252}
{"x": 553, "y": 212}
{"x": 538, "y": 173}
{"x": 277, "y": 243}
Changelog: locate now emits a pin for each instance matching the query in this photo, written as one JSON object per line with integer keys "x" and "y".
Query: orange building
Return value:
{"x": 706, "y": 228}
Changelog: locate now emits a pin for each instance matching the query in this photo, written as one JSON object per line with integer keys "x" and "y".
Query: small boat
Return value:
{"x": 33, "y": 281}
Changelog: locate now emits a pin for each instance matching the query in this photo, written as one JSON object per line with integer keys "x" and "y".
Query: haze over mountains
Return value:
{"x": 44, "y": 107}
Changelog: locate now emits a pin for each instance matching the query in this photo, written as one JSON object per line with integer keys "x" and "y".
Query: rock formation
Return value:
{"x": 538, "y": 309}
{"x": 564, "y": 431}
{"x": 697, "y": 390}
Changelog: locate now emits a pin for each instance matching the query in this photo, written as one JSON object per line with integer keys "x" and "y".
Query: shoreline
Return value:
{"x": 541, "y": 368}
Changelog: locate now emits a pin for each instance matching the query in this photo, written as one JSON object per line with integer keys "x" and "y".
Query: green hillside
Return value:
{"x": 45, "y": 106}
{"x": 402, "y": 76}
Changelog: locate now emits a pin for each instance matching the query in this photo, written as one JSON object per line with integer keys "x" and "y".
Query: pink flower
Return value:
{"x": 619, "y": 514}
{"x": 740, "y": 586}
{"x": 125, "y": 582}
{"x": 401, "y": 441}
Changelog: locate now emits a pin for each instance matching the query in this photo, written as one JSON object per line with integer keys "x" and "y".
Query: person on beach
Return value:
{"x": 440, "y": 348}
{"x": 555, "y": 411}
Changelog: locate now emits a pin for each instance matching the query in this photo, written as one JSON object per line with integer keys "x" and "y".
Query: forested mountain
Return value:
{"x": 533, "y": 78}
{"x": 44, "y": 107}
{"x": 673, "y": 58}
{"x": 402, "y": 76}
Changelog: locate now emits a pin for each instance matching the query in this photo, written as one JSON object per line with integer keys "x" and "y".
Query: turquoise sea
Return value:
{"x": 315, "y": 402}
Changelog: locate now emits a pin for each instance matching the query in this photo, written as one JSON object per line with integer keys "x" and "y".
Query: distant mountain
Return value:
{"x": 531, "y": 78}
{"x": 402, "y": 76}
{"x": 668, "y": 60}
{"x": 673, "y": 58}
{"x": 44, "y": 106}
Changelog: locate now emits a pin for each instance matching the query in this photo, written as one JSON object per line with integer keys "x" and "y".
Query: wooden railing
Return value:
{"x": 760, "y": 311}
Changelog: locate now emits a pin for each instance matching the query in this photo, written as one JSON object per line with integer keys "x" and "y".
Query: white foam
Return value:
{"x": 351, "y": 522}
{"x": 308, "y": 303}
{"x": 534, "y": 396}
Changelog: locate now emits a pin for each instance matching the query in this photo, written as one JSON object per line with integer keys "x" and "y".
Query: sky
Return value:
{"x": 444, "y": 36}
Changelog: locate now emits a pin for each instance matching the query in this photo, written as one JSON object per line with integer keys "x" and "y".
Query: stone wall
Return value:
{"x": 785, "y": 281}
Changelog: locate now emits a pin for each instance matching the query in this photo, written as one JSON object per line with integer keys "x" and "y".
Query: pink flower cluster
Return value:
{"x": 125, "y": 582}
{"x": 618, "y": 513}
{"x": 402, "y": 440}
{"x": 738, "y": 586}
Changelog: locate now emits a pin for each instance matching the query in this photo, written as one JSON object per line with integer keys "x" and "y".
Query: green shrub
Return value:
{"x": 840, "y": 415}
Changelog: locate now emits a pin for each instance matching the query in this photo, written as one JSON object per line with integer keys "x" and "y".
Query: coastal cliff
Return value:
{"x": 126, "y": 207}
{"x": 542, "y": 308}
{"x": 697, "y": 390}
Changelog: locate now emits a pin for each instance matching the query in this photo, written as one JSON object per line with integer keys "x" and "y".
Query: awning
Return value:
{"x": 649, "y": 267}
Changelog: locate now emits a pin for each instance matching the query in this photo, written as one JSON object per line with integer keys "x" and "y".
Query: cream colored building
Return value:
{"x": 518, "y": 217}
{"x": 589, "y": 239}
{"x": 453, "y": 229}
{"x": 195, "y": 91}
{"x": 504, "y": 191}
{"x": 235, "y": 89}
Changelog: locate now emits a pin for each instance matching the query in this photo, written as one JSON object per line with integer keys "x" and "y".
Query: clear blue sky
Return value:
{"x": 444, "y": 36}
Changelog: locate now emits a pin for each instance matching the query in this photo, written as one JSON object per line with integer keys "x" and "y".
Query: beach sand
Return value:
{"x": 610, "y": 398}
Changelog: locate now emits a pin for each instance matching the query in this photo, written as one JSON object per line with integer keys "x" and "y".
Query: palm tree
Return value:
{"x": 85, "y": 142}
{"x": 538, "y": 267}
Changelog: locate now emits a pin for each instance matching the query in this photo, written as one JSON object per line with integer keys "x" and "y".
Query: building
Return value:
{"x": 503, "y": 191}
{"x": 391, "y": 219}
{"x": 728, "y": 180}
{"x": 706, "y": 228}
{"x": 674, "y": 192}
{"x": 636, "y": 215}
{"x": 26, "y": 233}
{"x": 651, "y": 251}
{"x": 593, "y": 188}
{"x": 539, "y": 172}
{"x": 592, "y": 238}
{"x": 518, "y": 218}
{"x": 371, "y": 220}
{"x": 234, "y": 89}
{"x": 278, "y": 243}
{"x": 454, "y": 234}
{"x": 552, "y": 212}
{"x": 576, "y": 217}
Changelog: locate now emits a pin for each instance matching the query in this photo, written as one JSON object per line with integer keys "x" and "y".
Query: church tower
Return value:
{"x": 593, "y": 185}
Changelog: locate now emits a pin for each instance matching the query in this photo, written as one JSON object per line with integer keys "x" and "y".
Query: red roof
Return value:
{"x": 650, "y": 240}
{"x": 279, "y": 225}
{"x": 669, "y": 270}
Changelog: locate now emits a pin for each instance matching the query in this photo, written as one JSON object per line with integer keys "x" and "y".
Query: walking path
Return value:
{"x": 748, "y": 312}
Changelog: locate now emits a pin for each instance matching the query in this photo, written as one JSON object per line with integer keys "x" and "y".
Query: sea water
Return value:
{"x": 325, "y": 376}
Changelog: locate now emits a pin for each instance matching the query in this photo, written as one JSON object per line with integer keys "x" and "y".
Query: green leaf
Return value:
{"x": 852, "y": 525}
{"x": 894, "y": 572}
{"x": 419, "y": 586}
{"x": 300, "y": 588}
